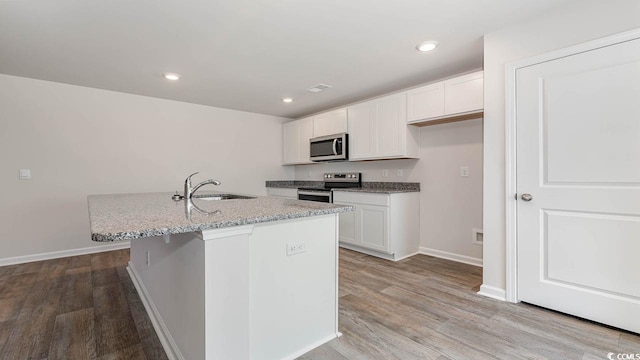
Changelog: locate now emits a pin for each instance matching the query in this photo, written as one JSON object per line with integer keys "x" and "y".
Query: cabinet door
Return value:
{"x": 347, "y": 227}
{"x": 390, "y": 124}
{"x": 360, "y": 131}
{"x": 290, "y": 142}
{"x": 425, "y": 102}
{"x": 374, "y": 227}
{"x": 305, "y": 132}
{"x": 332, "y": 122}
{"x": 464, "y": 93}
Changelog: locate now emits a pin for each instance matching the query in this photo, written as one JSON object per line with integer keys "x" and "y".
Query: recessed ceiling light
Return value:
{"x": 287, "y": 100}
{"x": 427, "y": 46}
{"x": 171, "y": 76}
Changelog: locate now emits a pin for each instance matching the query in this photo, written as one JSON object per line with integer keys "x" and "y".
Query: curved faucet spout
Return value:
{"x": 189, "y": 190}
{"x": 206, "y": 182}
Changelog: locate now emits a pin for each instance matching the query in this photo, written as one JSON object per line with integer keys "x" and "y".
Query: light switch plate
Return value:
{"x": 25, "y": 174}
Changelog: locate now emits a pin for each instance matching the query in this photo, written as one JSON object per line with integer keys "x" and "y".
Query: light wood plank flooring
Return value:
{"x": 86, "y": 307}
{"x": 427, "y": 308}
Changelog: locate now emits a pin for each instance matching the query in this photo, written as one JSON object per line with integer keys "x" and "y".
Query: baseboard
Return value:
{"x": 64, "y": 253}
{"x": 493, "y": 292}
{"x": 305, "y": 350}
{"x": 451, "y": 256}
{"x": 378, "y": 254}
{"x": 168, "y": 344}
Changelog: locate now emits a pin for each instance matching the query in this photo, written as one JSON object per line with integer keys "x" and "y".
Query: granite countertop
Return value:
{"x": 132, "y": 216}
{"x": 381, "y": 187}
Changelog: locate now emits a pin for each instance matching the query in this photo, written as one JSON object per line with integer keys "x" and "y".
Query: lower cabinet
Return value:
{"x": 383, "y": 225}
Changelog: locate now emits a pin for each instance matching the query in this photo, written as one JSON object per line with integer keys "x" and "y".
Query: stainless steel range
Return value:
{"x": 331, "y": 181}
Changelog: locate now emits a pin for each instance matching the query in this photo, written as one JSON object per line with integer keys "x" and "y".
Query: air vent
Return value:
{"x": 318, "y": 88}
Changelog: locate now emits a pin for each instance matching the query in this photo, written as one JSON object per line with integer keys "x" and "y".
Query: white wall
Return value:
{"x": 79, "y": 141}
{"x": 450, "y": 205}
{"x": 575, "y": 23}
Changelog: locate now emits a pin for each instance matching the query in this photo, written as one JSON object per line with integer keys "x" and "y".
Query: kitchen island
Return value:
{"x": 247, "y": 278}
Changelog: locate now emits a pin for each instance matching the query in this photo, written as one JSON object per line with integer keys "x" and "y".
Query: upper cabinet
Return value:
{"x": 378, "y": 130}
{"x": 296, "y": 135}
{"x": 425, "y": 102}
{"x": 459, "y": 98}
{"x": 329, "y": 123}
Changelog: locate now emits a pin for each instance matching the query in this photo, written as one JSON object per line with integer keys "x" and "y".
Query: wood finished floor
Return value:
{"x": 86, "y": 307}
{"x": 82, "y": 307}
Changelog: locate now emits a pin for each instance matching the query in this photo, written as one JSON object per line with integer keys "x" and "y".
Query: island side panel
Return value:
{"x": 293, "y": 297}
{"x": 172, "y": 282}
{"x": 227, "y": 292}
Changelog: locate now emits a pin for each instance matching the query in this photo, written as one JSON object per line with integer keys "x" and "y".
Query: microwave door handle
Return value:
{"x": 335, "y": 144}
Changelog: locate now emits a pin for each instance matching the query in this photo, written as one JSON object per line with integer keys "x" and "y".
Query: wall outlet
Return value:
{"x": 297, "y": 247}
{"x": 385, "y": 173}
{"x": 464, "y": 171}
{"x": 148, "y": 259}
{"x": 476, "y": 236}
{"x": 400, "y": 173}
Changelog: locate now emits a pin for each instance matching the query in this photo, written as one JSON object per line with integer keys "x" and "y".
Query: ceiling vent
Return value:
{"x": 318, "y": 88}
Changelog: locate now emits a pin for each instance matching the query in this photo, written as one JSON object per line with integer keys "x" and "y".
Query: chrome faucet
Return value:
{"x": 189, "y": 190}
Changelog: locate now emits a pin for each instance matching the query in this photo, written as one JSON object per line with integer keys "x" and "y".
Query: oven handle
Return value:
{"x": 335, "y": 144}
{"x": 327, "y": 194}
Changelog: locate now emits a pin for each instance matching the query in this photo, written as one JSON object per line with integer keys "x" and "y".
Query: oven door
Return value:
{"x": 328, "y": 148}
{"x": 318, "y": 196}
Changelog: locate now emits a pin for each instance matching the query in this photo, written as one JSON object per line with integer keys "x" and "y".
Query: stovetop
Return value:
{"x": 337, "y": 180}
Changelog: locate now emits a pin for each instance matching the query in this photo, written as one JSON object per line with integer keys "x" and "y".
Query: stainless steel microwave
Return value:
{"x": 329, "y": 148}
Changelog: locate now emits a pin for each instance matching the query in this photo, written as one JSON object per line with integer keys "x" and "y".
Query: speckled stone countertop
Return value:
{"x": 367, "y": 186}
{"x": 132, "y": 216}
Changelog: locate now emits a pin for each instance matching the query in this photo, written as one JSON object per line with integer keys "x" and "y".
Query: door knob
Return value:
{"x": 526, "y": 197}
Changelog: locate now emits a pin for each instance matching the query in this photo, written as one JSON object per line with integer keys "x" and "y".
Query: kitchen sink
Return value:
{"x": 209, "y": 197}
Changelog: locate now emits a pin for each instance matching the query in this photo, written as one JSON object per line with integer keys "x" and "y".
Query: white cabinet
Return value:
{"x": 464, "y": 93}
{"x": 329, "y": 123}
{"x": 425, "y": 102}
{"x": 383, "y": 225}
{"x": 286, "y": 193}
{"x": 296, "y": 135}
{"x": 458, "y": 98}
{"x": 378, "y": 130}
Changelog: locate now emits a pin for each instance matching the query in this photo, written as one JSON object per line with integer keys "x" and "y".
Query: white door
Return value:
{"x": 578, "y": 156}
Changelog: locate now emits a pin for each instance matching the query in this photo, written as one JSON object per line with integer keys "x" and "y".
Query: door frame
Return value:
{"x": 511, "y": 146}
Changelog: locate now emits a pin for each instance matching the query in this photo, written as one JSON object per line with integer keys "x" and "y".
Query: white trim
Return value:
{"x": 511, "y": 250}
{"x": 511, "y": 189}
{"x": 168, "y": 343}
{"x": 306, "y": 349}
{"x": 378, "y": 254}
{"x": 64, "y": 253}
{"x": 492, "y": 292}
{"x": 451, "y": 256}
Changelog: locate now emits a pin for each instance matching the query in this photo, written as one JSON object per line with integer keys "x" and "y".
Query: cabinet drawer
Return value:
{"x": 360, "y": 198}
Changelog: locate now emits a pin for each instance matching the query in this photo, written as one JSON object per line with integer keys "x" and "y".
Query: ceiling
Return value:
{"x": 248, "y": 54}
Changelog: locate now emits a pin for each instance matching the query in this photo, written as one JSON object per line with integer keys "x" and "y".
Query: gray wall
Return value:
{"x": 79, "y": 141}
